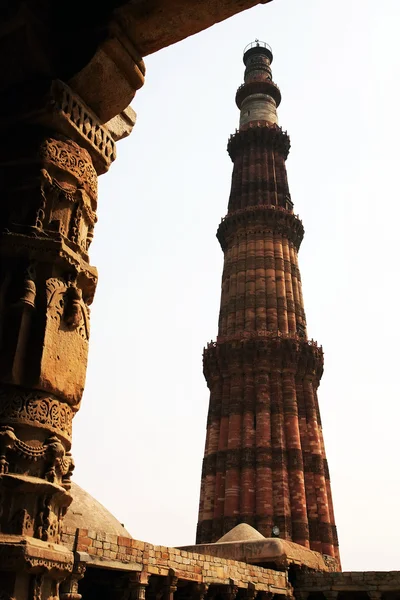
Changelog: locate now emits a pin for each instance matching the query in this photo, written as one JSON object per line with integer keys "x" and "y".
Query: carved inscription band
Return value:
{"x": 262, "y": 456}
{"x": 278, "y": 352}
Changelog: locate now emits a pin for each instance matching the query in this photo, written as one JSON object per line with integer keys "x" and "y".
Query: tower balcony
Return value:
{"x": 271, "y": 137}
{"x": 261, "y": 218}
{"x": 271, "y": 351}
{"x": 256, "y": 48}
{"x": 267, "y": 87}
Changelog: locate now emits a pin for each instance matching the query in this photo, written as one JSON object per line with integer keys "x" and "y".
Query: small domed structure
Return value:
{"x": 100, "y": 543}
{"x": 86, "y": 512}
{"x": 241, "y": 533}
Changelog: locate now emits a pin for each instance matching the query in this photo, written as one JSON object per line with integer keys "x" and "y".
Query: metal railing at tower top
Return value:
{"x": 257, "y": 44}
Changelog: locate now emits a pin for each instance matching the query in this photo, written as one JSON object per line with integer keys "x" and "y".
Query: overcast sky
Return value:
{"x": 139, "y": 436}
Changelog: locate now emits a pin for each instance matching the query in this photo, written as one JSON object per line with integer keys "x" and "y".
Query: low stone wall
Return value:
{"x": 332, "y": 585}
{"x": 104, "y": 549}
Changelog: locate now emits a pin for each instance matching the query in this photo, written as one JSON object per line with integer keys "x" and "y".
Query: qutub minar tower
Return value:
{"x": 68, "y": 78}
{"x": 264, "y": 461}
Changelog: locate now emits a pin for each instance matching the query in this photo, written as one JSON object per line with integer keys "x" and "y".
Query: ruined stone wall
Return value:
{"x": 158, "y": 560}
{"x": 334, "y": 586}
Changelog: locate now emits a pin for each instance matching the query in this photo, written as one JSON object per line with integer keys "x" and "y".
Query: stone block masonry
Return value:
{"x": 334, "y": 586}
{"x": 197, "y": 576}
{"x": 135, "y": 555}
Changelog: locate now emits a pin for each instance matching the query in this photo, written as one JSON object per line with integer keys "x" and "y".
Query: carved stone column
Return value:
{"x": 250, "y": 592}
{"x": 228, "y": 592}
{"x": 156, "y": 587}
{"x": 52, "y": 150}
{"x": 170, "y": 586}
{"x": 192, "y": 590}
{"x": 132, "y": 586}
{"x": 200, "y": 591}
{"x": 69, "y": 588}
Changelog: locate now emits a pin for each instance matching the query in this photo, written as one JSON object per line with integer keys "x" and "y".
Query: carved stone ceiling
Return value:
{"x": 159, "y": 23}
{"x": 96, "y": 47}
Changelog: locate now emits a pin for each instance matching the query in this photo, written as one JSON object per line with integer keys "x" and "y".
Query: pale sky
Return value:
{"x": 139, "y": 436}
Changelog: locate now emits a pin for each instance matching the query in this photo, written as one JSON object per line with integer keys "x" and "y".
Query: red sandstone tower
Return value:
{"x": 264, "y": 461}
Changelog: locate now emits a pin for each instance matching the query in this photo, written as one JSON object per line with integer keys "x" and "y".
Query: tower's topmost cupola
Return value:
{"x": 258, "y": 97}
{"x": 257, "y": 48}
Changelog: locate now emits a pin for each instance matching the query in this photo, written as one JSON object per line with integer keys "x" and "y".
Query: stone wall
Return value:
{"x": 143, "y": 560}
{"x": 337, "y": 585}
{"x": 104, "y": 548}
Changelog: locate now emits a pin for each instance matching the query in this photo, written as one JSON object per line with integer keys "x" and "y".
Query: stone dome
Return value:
{"x": 241, "y": 533}
{"x": 85, "y": 512}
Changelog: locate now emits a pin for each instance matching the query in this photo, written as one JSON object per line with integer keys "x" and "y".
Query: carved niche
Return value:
{"x": 49, "y": 324}
{"x": 68, "y": 193}
{"x": 64, "y": 359}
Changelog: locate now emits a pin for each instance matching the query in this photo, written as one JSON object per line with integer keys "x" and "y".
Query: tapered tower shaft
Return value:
{"x": 264, "y": 460}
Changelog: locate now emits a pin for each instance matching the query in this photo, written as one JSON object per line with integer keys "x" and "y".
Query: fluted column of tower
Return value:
{"x": 264, "y": 460}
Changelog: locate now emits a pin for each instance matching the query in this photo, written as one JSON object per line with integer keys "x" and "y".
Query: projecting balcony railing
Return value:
{"x": 260, "y": 207}
{"x": 266, "y": 86}
{"x": 257, "y": 44}
{"x": 263, "y": 333}
{"x": 259, "y": 125}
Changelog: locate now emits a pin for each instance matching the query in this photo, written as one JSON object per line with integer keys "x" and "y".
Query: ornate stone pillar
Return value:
{"x": 228, "y": 592}
{"x": 200, "y": 591}
{"x": 69, "y": 588}
{"x": 156, "y": 587}
{"x": 170, "y": 586}
{"x": 52, "y": 150}
{"x": 250, "y": 592}
{"x": 192, "y": 590}
{"x": 132, "y": 586}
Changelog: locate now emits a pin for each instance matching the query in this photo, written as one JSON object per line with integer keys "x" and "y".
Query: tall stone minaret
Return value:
{"x": 264, "y": 461}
